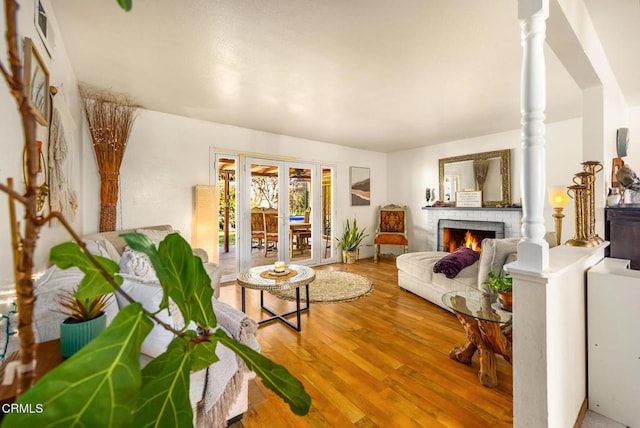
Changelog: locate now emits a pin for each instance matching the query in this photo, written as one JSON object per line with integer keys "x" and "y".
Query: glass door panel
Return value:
{"x": 327, "y": 247}
{"x": 300, "y": 183}
{"x": 263, "y": 207}
{"x": 226, "y": 178}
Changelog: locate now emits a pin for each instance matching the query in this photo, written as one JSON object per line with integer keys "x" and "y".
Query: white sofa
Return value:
{"x": 217, "y": 397}
{"x": 415, "y": 270}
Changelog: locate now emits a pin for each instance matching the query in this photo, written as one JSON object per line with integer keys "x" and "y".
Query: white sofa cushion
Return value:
{"x": 467, "y": 277}
{"x": 419, "y": 264}
{"x": 155, "y": 235}
{"x": 493, "y": 257}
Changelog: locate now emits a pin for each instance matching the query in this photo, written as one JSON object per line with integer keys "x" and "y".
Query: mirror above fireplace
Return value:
{"x": 488, "y": 171}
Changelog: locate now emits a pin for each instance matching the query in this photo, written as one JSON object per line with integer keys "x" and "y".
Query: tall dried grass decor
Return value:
{"x": 110, "y": 118}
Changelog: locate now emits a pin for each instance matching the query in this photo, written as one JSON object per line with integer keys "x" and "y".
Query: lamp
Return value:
{"x": 558, "y": 198}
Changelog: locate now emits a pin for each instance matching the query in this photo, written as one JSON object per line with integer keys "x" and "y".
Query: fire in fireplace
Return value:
{"x": 452, "y": 239}
{"x": 454, "y": 234}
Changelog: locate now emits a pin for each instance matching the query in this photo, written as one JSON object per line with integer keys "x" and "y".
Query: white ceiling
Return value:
{"x": 373, "y": 74}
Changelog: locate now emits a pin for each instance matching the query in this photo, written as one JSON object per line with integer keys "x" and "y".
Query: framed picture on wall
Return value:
{"x": 43, "y": 27}
{"x": 36, "y": 80}
{"x": 360, "y": 186}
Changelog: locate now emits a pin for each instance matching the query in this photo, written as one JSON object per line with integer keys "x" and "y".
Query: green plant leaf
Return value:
{"x": 70, "y": 254}
{"x": 204, "y": 354}
{"x": 97, "y": 386}
{"x": 126, "y": 4}
{"x": 164, "y": 398}
{"x": 181, "y": 275}
{"x": 274, "y": 376}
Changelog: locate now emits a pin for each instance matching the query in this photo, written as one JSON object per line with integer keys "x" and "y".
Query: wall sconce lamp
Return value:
{"x": 558, "y": 198}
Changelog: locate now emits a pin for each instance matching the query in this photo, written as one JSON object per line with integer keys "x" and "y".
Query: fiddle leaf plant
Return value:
{"x": 95, "y": 386}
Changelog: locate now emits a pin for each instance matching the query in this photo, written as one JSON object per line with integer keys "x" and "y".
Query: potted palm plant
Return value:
{"x": 350, "y": 241}
{"x": 86, "y": 318}
{"x": 503, "y": 285}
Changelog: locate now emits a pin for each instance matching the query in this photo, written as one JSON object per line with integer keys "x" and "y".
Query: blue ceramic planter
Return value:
{"x": 75, "y": 335}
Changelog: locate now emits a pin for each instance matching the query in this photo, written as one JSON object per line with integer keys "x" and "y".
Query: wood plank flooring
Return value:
{"x": 380, "y": 361}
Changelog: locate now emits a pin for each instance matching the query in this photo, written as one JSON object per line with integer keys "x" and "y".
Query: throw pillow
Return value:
{"x": 102, "y": 247}
{"x": 149, "y": 295}
{"x": 452, "y": 264}
{"x": 155, "y": 235}
{"x": 137, "y": 264}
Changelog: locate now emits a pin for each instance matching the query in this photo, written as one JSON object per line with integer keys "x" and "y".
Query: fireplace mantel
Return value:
{"x": 473, "y": 209}
{"x": 511, "y": 217}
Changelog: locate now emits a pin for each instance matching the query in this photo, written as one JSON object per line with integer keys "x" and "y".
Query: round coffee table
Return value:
{"x": 488, "y": 330}
{"x": 260, "y": 278}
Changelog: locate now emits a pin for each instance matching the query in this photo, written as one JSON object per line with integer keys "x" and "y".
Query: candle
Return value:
{"x": 279, "y": 266}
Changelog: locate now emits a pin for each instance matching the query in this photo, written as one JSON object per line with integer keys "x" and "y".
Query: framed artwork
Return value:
{"x": 469, "y": 199}
{"x": 43, "y": 27}
{"x": 36, "y": 80}
{"x": 360, "y": 186}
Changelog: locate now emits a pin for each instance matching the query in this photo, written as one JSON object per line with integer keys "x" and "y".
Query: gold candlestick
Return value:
{"x": 592, "y": 167}
{"x": 580, "y": 198}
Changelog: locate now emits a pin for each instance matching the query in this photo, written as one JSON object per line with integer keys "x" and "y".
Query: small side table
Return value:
{"x": 48, "y": 356}
{"x": 488, "y": 330}
{"x": 258, "y": 278}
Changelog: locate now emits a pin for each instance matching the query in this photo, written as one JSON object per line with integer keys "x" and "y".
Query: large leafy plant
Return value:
{"x": 351, "y": 237}
{"x": 103, "y": 384}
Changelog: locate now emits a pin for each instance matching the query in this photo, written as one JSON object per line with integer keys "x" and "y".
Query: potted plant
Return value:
{"x": 350, "y": 241}
{"x": 86, "y": 318}
{"x": 503, "y": 285}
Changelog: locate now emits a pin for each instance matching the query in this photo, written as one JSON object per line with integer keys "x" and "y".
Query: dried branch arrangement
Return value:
{"x": 110, "y": 117}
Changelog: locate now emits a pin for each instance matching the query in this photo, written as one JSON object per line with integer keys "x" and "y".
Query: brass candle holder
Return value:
{"x": 578, "y": 192}
{"x": 592, "y": 167}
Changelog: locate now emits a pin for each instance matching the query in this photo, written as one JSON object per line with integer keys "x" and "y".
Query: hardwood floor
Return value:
{"x": 380, "y": 361}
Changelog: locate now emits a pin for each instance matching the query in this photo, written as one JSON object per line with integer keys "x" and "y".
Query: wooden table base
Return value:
{"x": 488, "y": 338}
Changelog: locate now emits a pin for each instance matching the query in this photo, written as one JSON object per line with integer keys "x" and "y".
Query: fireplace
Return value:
{"x": 453, "y": 234}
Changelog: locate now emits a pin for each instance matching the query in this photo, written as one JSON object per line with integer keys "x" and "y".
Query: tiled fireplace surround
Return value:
{"x": 511, "y": 217}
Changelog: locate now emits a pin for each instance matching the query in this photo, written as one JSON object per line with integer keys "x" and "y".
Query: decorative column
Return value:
{"x": 533, "y": 250}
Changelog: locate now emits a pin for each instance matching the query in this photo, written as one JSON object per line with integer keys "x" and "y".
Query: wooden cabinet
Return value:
{"x": 622, "y": 230}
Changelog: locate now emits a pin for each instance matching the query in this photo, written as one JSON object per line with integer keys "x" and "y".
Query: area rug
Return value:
{"x": 331, "y": 287}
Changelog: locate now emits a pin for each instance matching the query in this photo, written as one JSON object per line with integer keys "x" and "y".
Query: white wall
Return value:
{"x": 167, "y": 155}
{"x": 63, "y": 77}
{"x": 412, "y": 171}
{"x": 633, "y": 156}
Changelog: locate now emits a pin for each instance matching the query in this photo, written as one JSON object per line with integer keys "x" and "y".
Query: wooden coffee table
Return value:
{"x": 488, "y": 331}
{"x": 260, "y": 278}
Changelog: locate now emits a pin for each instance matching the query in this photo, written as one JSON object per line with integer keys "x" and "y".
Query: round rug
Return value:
{"x": 331, "y": 287}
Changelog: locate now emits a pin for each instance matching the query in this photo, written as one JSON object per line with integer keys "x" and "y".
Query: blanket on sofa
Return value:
{"x": 219, "y": 395}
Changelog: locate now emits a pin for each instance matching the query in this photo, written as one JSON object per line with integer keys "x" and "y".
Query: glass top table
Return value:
{"x": 487, "y": 328}
{"x": 476, "y": 304}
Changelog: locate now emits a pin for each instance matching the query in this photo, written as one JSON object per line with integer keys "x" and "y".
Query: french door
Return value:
{"x": 281, "y": 211}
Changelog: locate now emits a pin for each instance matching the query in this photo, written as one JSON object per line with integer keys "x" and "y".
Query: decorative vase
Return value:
{"x": 350, "y": 257}
{"x": 613, "y": 198}
{"x": 75, "y": 335}
{"x": 505, "y": 298}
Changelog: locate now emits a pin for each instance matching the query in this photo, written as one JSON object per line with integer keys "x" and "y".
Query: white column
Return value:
{"x": 533, "y": 250}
